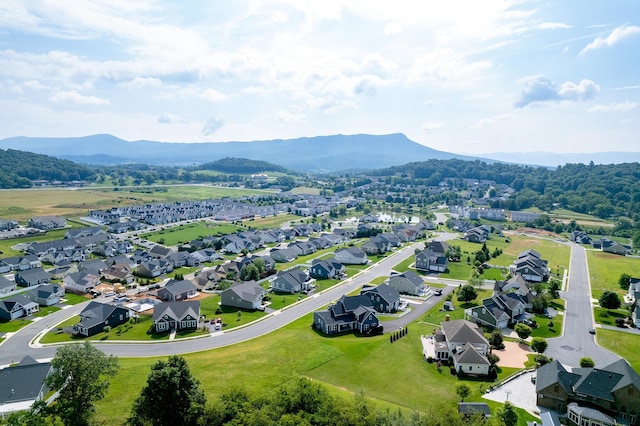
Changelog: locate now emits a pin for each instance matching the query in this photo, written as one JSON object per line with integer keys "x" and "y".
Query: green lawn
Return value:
{"x": 343, "y": 362}
{"x": 404, "y": 265}
{"x": 544, "y": 330}
{"x": 125, "y": 331}
{"x": 270, "y": 221}
{"x": 13, "y": 326}
{"x": 605, "y": 270}
{"x": 74, "y": 299}
{"x": 182, "y": 234}
{"x": 437, "y": 315}
{"x": 624, "y": 344}
{"x": 608, "y": 317}
{"x": 458, "y": 271}
{"x": 46, "y": 310}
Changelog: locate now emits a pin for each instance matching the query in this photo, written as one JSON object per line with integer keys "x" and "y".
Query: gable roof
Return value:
{"x": 179, "y": 286}
{"x": 247, "y": 290}
{"x": 95, "y": 313}
{"x": 176, "y": 310}
{"x": 468, "y": 354}
{"x": 463, "y": 331}
{"x": 388, "y": 293}
{"x": 24, "y": 381}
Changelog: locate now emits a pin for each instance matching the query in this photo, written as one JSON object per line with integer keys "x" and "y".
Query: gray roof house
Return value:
{"x": 96, "y": 316}
{"x": 17, "y": 306}
{"x": 46, "y": 294}
{"x": 46, "y": 223}
{"x": 349, "y": 313}
{"x": 176, "y": 290}
{"x": 176, "y": 316}
{"x": 351, "y": 256}
{"x": 31, "y": 277}
{"x": 431, "y": 261}
{"x": 407, "y": 282}
{"x": 376, "y": 245}
{"x": 23, "y": 384}
{"x": 291, "y": 281}
{"x": 6, "y": 286}
{"x": 464, "y": 342}
{"x": 81, "y": 281}
{"x": 383, "y": 297}
{"x": 531, "y": 266}
{"x": 326, "y": 269}
{"x": 283, "y": 255}
{"x": 244, "y": 295}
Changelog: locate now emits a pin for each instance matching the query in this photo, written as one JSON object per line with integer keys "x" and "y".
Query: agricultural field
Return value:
{"x": 605, "y": 270}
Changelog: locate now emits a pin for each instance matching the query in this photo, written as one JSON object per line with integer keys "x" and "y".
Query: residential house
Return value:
{"x": 518, "y": 285}
{"x": 94, "y": 266}
{"x": 498, "y": 311}
{"x": 429, "y": 261}
{"x": 351, "y": 256}
{"x": 283, "y": 255}
{"x": 292, "y": 281}
{"x": 159, "y": 251}
{"x": 383, "y": 297}
{"x": 524, "y": 216}
{"x": 610, "y": 246}
{"x": 464, "y": 343}
{"x": 227, "y": 269}
{"x": 367, "y": 218}
{"x": 154, "y": 268}
{"x": 407, "y": 283}
{"x": 46, "y": 294}
{"x": 376, "y": 245}
{"x": 7, "y": 225}
{"x": 23, "y": 384}
{"x": 633, "y": 293}
{"x": 326, "y": 269}
{"x": 580, "y": 237}
{"x": 469, "y": 409}
{"x": 17, "y": 306}
{"x": 19, "y": 263}
{"x": 349, "y": 313}
{"x": 6, "y": 286}
{"x": 441, "y": 247}
{"x": 176, "y": 316}
{"x": 96, "y": 316}
{"x": 47, "y": 223}
{"x": 245, "y": 295}
{"x": 476, "y": 235}
{"x": 636, "y": 316}
{"x": 176, "y": 290}
{"x": 84, "y": 232}
{"x": 303, "y": 248}
{"x": 206, "y": 255}
{"x": 391, "y": 238}
{"x": 119, "y": 272}
{"x": 32, "y": 277}
{"x": 81, "y": 281}
{"x": 612, "y": 390}
{"x": 531, "y": 266}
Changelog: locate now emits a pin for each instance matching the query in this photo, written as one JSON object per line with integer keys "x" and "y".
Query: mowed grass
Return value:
{"x": 605, "y": 270}
{"x": 270, "y": 221}
{"x": 263, "y": 364}
{"x": 623, "y": 344}
{"x": 13, "y": 326}
{"x": 184, "y": 233}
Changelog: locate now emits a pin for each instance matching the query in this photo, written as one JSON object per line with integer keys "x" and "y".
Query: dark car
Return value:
{"x": 592, "y": 331}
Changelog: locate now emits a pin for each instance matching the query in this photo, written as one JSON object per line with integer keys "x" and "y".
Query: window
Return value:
{"x": 470, "y": 368}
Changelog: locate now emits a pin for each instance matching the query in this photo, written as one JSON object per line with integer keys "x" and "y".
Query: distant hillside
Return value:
{"x": 553, "y": 159}
{"x": 241, "y": 166}
{"x": 321, "y": 153}
{"x": 19, "y": 168}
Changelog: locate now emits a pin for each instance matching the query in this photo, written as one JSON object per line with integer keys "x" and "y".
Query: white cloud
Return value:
{"x": 143, "y": 83}
{"x": 553, "y": 26}
{"x": 478, "y": 96}
{"x": 615, "y": 107}
{"x": 166, "y": 118}
{"x": 212, "y": 125}
{"x": 287, "y": 117}
{"x": 543, "y": 89}
{"x": 616, "y": 36}
{"x": 74, "y": 97}
{"x": 432, "y": 127}
{"x": 447, "y": 68}
{"x": 491, "y": 120}
{"x": 213, "y": 95}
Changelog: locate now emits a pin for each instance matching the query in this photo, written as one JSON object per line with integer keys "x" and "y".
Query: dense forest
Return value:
{"x": 241, "y": 166}
{"x": 605, "y": 190}
{"x": 19, "y": 168}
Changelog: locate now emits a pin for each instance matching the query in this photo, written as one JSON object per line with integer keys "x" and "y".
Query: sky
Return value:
{"x": 463, "y": 76}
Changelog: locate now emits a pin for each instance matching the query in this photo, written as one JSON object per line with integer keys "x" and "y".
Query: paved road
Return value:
{"x": 16, "y": 347}
{"x": 576, "y": 342}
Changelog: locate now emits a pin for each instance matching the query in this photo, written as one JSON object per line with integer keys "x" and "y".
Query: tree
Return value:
{"x": 609, "y": 300}
{"x": 463, "y": 391}
{"x": 467, "y": 293}
{"x": 81, "y": 375}
{"x": 172, "y": 396}
{"x": 624, "y": 281}
{"x": 508, "y": 415}
{"x": 522, "y": 330}
{"x": 249, "y": 272}
{"x": 586, "y": 362}
{"x": 496, "y": 340}
{"x": 539, "y": 344}
{"x": 259, "y": 263}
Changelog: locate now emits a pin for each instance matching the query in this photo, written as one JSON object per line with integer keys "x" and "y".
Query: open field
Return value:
{"x": 270, "y": 221}
{"x": 345, "y": 362}
{"x": 605, "y": 270}
{"x": 182, "y": 234}
{"x": 22, "y": 204}
{"x": 624, "y": 344}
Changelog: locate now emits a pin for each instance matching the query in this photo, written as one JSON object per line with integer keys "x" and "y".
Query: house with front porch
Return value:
{"x": 429, "y": 261}
{"x": 384, "y": 298}
{"x": 464, "y": 343}
{"x": 6, "y": 286}
{"x": 17, "y": 306}
{"x": 46, "y": 294}
{"x": 81, "y": 281}
{"x": 176, "y": 316}
{"x": 96, "y": 316}
{"x": 32, "y": 277}
{"x": 349, "y": 313}
{"x": 292, "y": 281}
{"x": 531, "y": 266}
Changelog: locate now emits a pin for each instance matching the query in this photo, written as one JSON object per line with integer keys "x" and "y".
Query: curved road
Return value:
{"x": 19, "y": 345}
{"x": 576, "y": 342}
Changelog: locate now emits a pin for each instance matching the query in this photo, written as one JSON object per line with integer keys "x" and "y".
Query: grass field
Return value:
{"x": 624, "y": 344}
{"x": 24, "y": 204}
{"x": 13, "y": 326}
{"x": 184, "y": 233}
{"x": 342, "y": 362}
{"x": 605, "y": 270}
{"x": 270, "y": 221}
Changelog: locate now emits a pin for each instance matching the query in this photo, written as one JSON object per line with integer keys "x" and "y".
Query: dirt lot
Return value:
{"x": 513, "y": 355}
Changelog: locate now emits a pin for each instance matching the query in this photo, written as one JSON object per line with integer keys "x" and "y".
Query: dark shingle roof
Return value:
{"x": 23, "y": 381}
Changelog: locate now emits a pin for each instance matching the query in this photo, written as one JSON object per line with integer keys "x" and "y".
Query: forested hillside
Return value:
{"x": 601, "y": 190}
{"x": 19, "y": 168}
{"x": 241, "y": 166}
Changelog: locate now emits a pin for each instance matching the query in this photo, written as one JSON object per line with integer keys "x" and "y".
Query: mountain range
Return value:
{"x": 315, "y": 154}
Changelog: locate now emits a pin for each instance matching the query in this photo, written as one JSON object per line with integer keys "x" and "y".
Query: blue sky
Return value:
{"x": 462, "y": 76}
